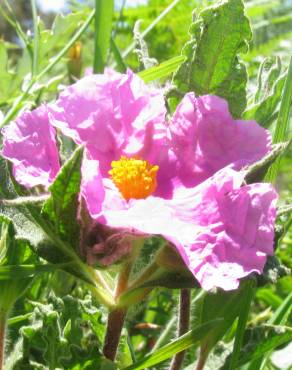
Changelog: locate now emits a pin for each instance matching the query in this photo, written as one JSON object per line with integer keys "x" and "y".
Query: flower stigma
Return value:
{"x": 134, "y": 177}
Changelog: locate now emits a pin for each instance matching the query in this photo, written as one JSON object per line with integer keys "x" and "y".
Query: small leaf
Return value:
{"x": 260, "y": 340}
{"x": 224, "y": 305}
{"x": 162, "y": 70}
{"x": 257, "y": 171}
{"x": 218, "y": 35}
{"x": 12, "y": 252}
{"x": 178, "y": 345}
{"x": 264, "y": 108}
{"x": 62, "y": 207}
{"x": 14, "y": 272}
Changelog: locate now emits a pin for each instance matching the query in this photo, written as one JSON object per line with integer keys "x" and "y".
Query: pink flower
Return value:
{"x": 178, "y": 179}
{"x": 29, "y": 143}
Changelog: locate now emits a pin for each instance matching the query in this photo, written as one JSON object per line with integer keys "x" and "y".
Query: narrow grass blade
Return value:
{"x": 17, "y": 319}
{"x": 166, "y": 333}
{"x": 36, "y": 39}
{"x": 242, "y": 320}
{"x": 121, "y": 66}
{"x": 282, "y": 122}
{"x": 178, "y": 345}
{"x": 103, "y": 28}
{"x": 279, "y": 318}
{"x": 162, "y": 70}
{"x": 15, "y": 24}
{"x": 12, "y": 272}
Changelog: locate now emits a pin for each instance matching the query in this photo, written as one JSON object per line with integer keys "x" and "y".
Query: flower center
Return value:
{"x": 134, "y": 177}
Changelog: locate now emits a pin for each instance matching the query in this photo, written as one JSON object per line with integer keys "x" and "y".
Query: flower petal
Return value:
{"x": 92, "y": 188}
{"x": 223, "y": 231}
{"x": 114, "y": 115}
{"x": 30, "y": 144}
{"x": 206, "y": 138}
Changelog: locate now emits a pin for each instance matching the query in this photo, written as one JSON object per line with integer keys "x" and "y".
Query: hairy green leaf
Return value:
{"x": 212, "y": 66}
{"x": 59, "y": 335}
{"x": 264, "y": 108}
{"x": 61, "y": 208}
{"x": 260, "y": 340}
{"x": 12, "y": 272}
{"x": 162, "y": 70}
{"x": 12, "y": 252}
{"x": 256, "y": 172}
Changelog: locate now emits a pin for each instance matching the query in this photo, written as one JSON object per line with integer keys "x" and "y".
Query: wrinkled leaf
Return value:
{"x": 62, "y": 207}
{"x": 264, "y": 108}
{"x": 212, "y": 66}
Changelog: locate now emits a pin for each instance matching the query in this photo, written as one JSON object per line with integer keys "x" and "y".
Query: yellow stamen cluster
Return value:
{"x": 135, "y": 178}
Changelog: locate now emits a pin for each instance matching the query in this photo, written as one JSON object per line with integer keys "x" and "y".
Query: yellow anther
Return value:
{"x": 134, "y": 177}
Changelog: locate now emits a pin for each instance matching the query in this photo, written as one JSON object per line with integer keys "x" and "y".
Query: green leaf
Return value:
{"x": 264, "y": 108}
{"x": 12, "y": 252}
{"x": 282, "y": 121}
{"x": 279, "y": 318}
{"x": 62, "y": 207}
{"x": 17, "y": 105}
{"x": 58, "y": 336}
{"x": 225, "y": 305}
{"x": 260, "y": 340}
{"x": 242, "y": 320}
{"x": 103, "y": 26}
{"x": 12, "y": 272}
{"x": 218, "y": 35}
{"x": 6, "y": 76}
{"x": 258, "y": 170}
{"x": 178, "y": 345}
{"x": 121, "y": 65}
{"x": 162, "y": 70}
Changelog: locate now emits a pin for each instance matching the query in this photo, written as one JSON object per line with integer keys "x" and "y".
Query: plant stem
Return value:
{"x": 115, "y": 322}
{"x": 2, "y": 338}
{"x": 201, "y": 363}
{"x": 184, "y": 322}
{"x": 116, "y": 317}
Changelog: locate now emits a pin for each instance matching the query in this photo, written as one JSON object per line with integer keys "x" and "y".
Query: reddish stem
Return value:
{"x": 184, "y": 322}
{"x": 114, "y": 328}
{"x": 116, "y": 317}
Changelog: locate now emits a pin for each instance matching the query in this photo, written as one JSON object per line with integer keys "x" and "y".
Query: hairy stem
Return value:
{"x": 115, "y": 323}
{"x": 202, "y": 358}
{"x": 2, "y": 338}
{"x": 184, "y": 322}
{"x": 201, "y": 363}
{"x": 116, "y": 317}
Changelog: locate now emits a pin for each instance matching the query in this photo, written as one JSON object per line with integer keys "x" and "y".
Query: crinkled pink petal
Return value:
{"x": 92, "y": 188}
{"x": 30, "y": 144}
{"x": 205, "y": 138}
{"x": 223, "y": 231}
{"x": 114, "y": 115}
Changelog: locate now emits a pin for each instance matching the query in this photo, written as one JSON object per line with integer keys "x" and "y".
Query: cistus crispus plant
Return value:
{"x": 130, "y": 187}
